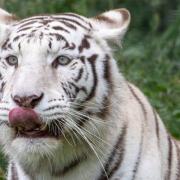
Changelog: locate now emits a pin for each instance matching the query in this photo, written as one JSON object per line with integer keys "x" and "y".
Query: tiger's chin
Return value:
{"x": 28, "y": 145}
{"x": 35, "y": 146}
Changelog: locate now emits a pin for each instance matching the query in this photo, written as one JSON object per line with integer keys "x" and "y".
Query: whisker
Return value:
{"x": 95, "y": 136}
{"x": 54, "y": 114}
{"x": 82, "y": 119}
{"x": 69, "y": 127}
{"x": 4, "y": 122}
{"x": 61, "y": 124}
{"x": 92, "y": 104}
{"x": 94, "y": 110}
{"x": 4, "y": 109}
{"x": 79, "y": 131}
{"x": 55, "y": 107}
{"x": 4, "y": 102}
{"x": 5, "y": 115}
{"x": 71, "y": 136}
{"x": 93, "y": 119}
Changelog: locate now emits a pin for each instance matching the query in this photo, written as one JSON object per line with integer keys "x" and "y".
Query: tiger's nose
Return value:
{"x": 27, "y": 101}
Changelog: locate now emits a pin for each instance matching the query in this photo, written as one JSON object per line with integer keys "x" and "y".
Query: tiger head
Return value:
{"x": 56, "y": 75}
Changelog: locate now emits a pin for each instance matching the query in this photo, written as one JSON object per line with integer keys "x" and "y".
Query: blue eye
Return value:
{"x": 61, "y": 60}
{"x": 12, "y": 60}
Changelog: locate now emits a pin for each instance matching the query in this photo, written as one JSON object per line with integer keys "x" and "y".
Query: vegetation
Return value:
{"x": 150, "y": 56}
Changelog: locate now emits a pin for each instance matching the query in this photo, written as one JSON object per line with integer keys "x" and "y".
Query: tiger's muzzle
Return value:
{"x": 27, "y": 123}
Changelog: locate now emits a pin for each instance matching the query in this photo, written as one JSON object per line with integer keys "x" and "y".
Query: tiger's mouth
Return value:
{"x": 43, "y": 131}
{"x": 27, "y": 123}
{"x": 53, "y": 130}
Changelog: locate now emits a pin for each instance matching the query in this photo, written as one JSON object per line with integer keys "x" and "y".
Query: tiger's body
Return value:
{"x": 59, "y": 69}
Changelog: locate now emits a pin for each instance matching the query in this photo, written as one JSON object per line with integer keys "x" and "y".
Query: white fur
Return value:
{"x": 35, "y": 75}
{"x": 111, "y": 31}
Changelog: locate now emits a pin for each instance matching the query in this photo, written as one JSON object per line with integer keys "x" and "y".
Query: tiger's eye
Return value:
{"x": 12, "y": 60}
{"x": 61, "y": 60}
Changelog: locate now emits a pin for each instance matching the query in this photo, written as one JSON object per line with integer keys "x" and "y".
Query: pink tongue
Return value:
{"x": 24, "y": 118}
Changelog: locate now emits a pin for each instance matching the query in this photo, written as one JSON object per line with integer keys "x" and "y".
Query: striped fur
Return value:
{"x": 104, "y": 126}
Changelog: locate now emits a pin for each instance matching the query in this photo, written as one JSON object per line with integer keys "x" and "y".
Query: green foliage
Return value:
{"x": 2, "y": 167}
{"x": 151, "y": 49}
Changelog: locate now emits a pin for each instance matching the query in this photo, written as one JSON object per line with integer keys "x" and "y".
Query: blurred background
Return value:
{"x": 150, "y": 57}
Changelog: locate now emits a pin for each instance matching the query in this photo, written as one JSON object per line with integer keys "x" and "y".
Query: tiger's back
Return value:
{"x": 77, "y": 117}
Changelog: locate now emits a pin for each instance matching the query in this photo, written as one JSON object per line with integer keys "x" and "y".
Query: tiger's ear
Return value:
{"x": 6, "y": 20}
{"x": 111, "y": 25}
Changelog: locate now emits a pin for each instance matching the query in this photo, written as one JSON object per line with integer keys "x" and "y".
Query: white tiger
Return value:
{"x": 67, "y": 113}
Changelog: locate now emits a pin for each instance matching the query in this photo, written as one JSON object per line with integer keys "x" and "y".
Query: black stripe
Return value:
{"x": 16, "y": 38}
{"x": 67, "y": 92}
{"x": 70, "y": 47}
{"x": 70, "y": 85}
{"x": 73, "y": 21}
{"x": 69, "y": 167}
{"x": 82, "y": 58}
{"x": 31, "y": 19}
{"x": 36, "y": 18}
{"x": 46, "y": 21}
{"x": 19, "y": 46}
{"x": 104, "y": 110}
{"x": 60, "y": 99}
{"x": 60, "y": 38}
{"x": 68, "y": 24}
{"x": 75, "y": 16}
{"x": 82, "y": 119}
{"x": 26, "y": 24}
{"x": 135, "y": 170}
{"x": 60, "y": 28}
{"x": 107, "y": 71}
{"x": 35, "y": 30}
{"x": 120, "y": 146}
{"x": 9, "y": 46}
{"x": 178, "y": 161}
{"x": 79, "y": 75}
{"x": 56, "y": 127}
{"x": 73, "y": 65}
{"x": 157, "y": 127}
{"x": 54, "y": 107}
{"x": 77, "y": 89}
{"x": 78, "y": 17}
{"x": 112, "y": 163}
{"x": 55, "y": 114}
{"x": 14, "y": 175}
{"x": 5, "y": 44}
{"x": 2, "y": 87}
{"x": 139, "y": 100}
{"x": 3, "y": 65}
{"x": 24, "y": 29}
{"x": 169, "y": 158}
{"x": 84, "y": 45}
{"x": 138, "y": 157}
{"x": 92, "y": 60}
{"x": 50, "y": 44}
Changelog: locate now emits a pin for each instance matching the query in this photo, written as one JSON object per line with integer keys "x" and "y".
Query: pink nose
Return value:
{"x": 24, "y": 118}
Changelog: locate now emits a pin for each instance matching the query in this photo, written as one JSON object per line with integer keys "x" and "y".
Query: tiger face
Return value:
{"x": 55, "y": 76}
